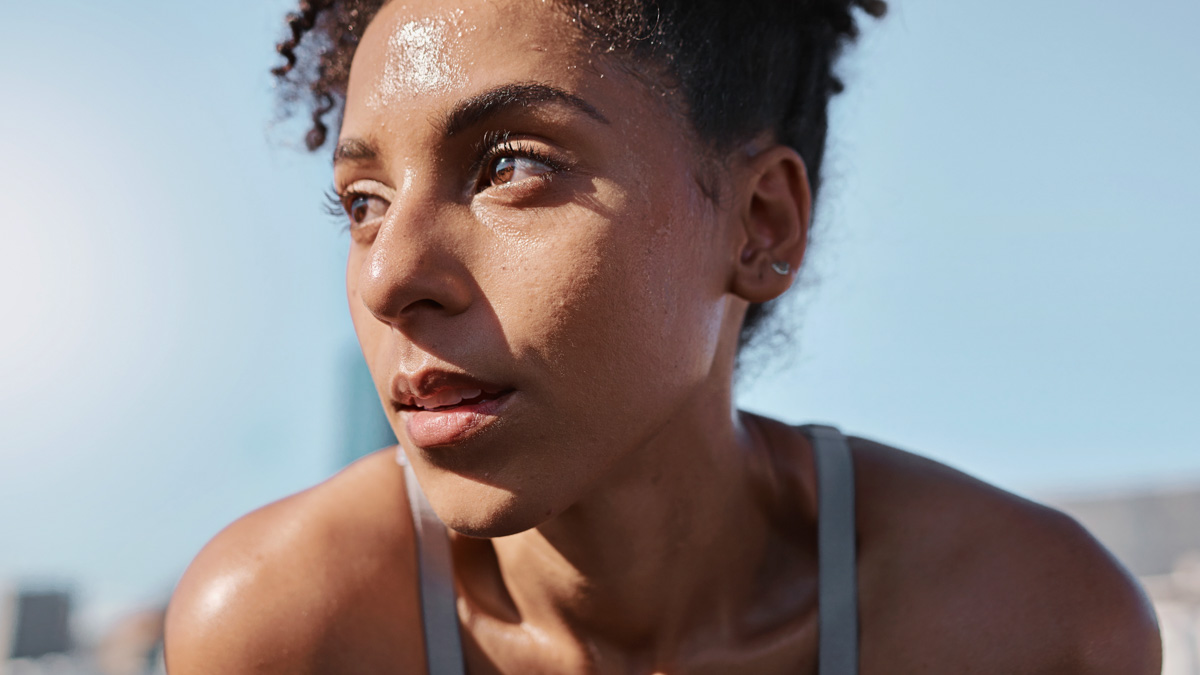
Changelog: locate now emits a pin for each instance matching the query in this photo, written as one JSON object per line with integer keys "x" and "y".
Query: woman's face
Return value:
{"x": 538, "y": 284}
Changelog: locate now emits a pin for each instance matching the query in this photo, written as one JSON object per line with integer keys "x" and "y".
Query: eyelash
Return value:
{"x": 335, "y": 207}
{"x": 491, "y": 147}
{"x": 497, "y": 144}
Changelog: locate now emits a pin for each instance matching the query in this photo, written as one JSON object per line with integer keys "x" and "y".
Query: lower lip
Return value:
{"x": 432, "y": 428}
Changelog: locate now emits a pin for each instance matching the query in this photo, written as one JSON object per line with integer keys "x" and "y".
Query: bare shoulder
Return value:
{"x": 960, "y": 576}
{"x": 326, "y": 576}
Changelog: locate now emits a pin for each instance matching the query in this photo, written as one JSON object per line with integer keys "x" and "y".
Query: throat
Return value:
{"x": 664, "y": 626}
{"x": 645, "y": 565}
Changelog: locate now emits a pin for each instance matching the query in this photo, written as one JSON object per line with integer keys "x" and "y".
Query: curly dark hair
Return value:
{"x": 742, "y": 67}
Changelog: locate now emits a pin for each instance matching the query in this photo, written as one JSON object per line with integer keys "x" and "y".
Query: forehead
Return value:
{"x": 427, "y": 54}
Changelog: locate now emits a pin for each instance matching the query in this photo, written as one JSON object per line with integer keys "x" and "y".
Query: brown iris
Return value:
{"x": 503, "y": 170}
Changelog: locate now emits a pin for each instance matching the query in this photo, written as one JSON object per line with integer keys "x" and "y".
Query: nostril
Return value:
{"x": 425, "y": 303}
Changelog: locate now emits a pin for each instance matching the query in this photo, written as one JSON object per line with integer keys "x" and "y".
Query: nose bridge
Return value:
{"x": 413, "y": 263}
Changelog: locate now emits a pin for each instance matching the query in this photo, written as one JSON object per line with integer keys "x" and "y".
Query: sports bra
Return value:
{"x": 837, "y": 590}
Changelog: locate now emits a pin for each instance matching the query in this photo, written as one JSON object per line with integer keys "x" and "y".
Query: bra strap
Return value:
{"x": 439, "y": 606}
{"x": 837, "y": 593}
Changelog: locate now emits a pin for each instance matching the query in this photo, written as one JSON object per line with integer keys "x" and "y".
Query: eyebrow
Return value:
{"x": 354, "y": 150}
{"x": 475, "y": 109}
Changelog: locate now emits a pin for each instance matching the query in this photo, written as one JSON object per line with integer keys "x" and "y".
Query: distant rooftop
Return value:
{"x": 1151, "y": 531}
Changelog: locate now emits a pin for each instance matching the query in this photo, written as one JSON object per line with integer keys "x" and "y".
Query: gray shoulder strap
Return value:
{"x": 439, "y": 607}
{"x": 837, "y": 594}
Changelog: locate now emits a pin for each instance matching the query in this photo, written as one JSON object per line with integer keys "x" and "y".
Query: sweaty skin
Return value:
{"x": 420, "y": 59}
{"x": 549, "y": 305}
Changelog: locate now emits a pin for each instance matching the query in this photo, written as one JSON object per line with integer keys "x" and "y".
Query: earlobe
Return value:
{"x": 775, "y": 213}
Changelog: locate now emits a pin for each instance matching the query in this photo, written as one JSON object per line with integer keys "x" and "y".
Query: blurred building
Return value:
{"x": 37, "y": 638}
{"x": 35, "y": 632}
{"x": 132, "y": 645}
{"x": 1156, "y": 534}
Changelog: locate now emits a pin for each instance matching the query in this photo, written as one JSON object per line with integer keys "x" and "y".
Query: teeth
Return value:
{"x": 447, "y": 397}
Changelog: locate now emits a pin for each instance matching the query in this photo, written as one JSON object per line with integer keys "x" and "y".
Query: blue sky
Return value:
{"x": 1002, "y": 278}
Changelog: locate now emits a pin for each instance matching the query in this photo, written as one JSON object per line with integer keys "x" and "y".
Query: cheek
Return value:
{"x": 356, "y": 307}
{"x": 358, "y": 312}
{"x": 544, "y": 281}
{"x": 677, "y": 278}
{"x": 619, "y": 295}
{"x": 370, "y": 331}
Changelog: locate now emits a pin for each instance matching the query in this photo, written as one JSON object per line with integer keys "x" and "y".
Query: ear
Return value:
{"x": 775, "y": 210}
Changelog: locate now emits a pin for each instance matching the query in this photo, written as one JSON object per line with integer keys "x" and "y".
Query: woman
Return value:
{"x": 566, "y": 218}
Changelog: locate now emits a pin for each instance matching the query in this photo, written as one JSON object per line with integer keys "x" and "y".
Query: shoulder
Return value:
{"x": 325, "y": 576}
{"x": 958, "y": 571}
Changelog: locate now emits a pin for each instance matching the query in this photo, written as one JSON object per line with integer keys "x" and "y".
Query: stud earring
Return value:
{"x": 781, "y": 268}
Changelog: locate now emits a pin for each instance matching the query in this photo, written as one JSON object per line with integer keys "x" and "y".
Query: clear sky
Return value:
{"x": 1003, "y": 276}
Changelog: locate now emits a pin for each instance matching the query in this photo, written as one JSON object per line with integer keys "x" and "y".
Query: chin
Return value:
{"x": 485, "y": 511}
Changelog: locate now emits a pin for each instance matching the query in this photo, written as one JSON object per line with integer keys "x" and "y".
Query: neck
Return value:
{"x": 648, "y": 558}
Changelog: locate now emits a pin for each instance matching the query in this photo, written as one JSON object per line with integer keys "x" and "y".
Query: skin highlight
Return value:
{"x": 538, "y": 224}
{"x": 419, "y": 59}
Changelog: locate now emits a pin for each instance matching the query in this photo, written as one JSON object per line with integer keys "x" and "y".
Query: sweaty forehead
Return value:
{"x": 415, "y": 50}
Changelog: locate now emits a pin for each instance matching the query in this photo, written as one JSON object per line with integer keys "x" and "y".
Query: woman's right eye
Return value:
{"x": 364, "y": 208}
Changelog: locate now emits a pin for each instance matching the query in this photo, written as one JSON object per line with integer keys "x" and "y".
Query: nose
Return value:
{"x": 413, "y": 268}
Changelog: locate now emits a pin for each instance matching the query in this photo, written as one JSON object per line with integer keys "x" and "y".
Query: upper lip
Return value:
{"x": 408, "y": 389}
